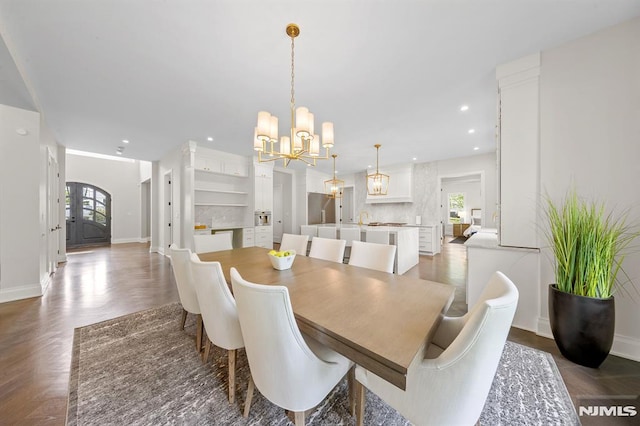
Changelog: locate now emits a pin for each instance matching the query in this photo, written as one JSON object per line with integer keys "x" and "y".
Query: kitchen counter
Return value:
{"x": 405, "y": 238}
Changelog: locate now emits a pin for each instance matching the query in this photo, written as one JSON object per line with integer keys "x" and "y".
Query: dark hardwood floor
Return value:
{"x": 102, "y": 283}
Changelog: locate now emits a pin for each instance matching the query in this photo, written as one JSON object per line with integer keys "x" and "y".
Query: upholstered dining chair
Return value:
{"x": 219, "y": 314}
{"x": 292, "y": 371}
{"x": 373, "y": 256}
{"x": 215, "y": 242}
{"x": 180, "y": 263}
{"x": 377, "y": 236}
{"x": 294, "y": 242}
{"x": 450, "y": 383}
{"x": 327, "y": 249}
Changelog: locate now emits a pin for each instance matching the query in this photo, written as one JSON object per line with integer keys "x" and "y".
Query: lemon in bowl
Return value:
{"x": 282, "y": 260}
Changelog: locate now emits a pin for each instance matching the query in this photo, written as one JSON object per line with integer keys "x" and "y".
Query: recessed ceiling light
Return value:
{"x": 369, "y": 166}
{"x": 119, "y": 152}
{"x": 415, "y": 158}
{"x": 210, "y": 139}
{"x": 472, "y": 131}
{"x": 125, "y": 141}
{"x": 464, "y": 107}
{"x": 475, "y": 148}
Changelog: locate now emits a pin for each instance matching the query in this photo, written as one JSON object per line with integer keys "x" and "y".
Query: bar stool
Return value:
{"x": 380, "y": 237}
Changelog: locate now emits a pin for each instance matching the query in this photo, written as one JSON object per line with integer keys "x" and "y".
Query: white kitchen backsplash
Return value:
{"x": 222, "y": 217}
{"x": 425, "y": 199}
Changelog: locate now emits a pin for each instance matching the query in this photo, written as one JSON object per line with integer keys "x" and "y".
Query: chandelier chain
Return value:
{"x": 293, "y": 99}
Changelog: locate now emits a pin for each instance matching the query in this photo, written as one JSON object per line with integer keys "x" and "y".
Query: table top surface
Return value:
{"x": 376, "y": 319}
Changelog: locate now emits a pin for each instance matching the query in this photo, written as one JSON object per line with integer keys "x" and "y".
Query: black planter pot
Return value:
{"x": 583, "y": 327}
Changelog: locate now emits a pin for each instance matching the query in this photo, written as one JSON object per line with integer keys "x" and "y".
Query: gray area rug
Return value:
{"x": 141, "y": 369}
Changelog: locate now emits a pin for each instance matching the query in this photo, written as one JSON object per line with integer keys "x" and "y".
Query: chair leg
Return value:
{"x": 207, "y": 348}
{"x": 184, "y": 319}
{"x": 360, "y": 394}
{"x": 299, "y": 415}
{"x": 231, "y": 354}
{"x": 199, "y": 334}
{"x": 247, "y": 402}
{"x": 351, "y": 380}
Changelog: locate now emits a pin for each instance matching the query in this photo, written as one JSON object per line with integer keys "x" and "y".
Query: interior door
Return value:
{"x": 278, "y": 216}
{"x": 87, "y": 214}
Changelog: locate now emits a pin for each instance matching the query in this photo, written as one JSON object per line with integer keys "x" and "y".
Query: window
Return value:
{"x": 456, "y": 207}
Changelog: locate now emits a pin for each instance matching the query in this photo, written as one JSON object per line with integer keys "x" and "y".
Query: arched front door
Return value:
{"x": 88, "y": 214}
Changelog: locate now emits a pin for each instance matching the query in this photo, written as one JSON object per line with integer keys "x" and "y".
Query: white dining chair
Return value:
{"x": 373, "y": 256}
{"x": 219, "y": 314}
{"x": 449, "y": 383}
{"x": 295, "y": 242}
{"x": 377, "y": 236}
{"x": 328, "y": 232}
{"x": 327, "y": 249}
{"x": 180, "y": 263}
{"x": 289, "y": 369}
{"x": 215, "y": 242}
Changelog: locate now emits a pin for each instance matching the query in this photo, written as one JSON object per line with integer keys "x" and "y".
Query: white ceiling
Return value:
{"x": 160, "y": 73}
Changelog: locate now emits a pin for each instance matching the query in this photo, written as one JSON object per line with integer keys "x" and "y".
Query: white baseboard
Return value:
{"x": 626, "y": 347}
{"x": 46, "y": 281}
{"x": 21, "y": 292}
{"x": 125, "y": 240}
{"x": 544, "y": 328}
{"x": 144, "y": 240}
{"x": 62, "y": 258}
{"x": 623, "y": 346}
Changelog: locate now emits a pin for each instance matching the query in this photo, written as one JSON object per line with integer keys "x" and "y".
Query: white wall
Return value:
{"x": 121, "y": 179}
{"x": 589, "y": 137}
{"x": 20, "y": 214}
{"x": 171, "y": 163}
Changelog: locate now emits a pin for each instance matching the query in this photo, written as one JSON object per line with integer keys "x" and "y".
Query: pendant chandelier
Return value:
{"x": 302, "y": 143}
{"x": 377, "y": 183}
{"x": 334, "y": 188}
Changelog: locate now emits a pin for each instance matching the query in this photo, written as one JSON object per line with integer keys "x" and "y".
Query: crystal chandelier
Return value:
{"x": 377, "y": 183}
{"x": 334, "y": 188}
{"x": 302, "y": 143}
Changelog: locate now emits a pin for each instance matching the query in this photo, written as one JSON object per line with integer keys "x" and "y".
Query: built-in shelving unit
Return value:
{"x": 222, "y": 188}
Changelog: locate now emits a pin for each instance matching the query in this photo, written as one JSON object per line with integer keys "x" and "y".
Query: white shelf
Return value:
{"x": 221, "y": 191}
{"x": 215, "y": 172}
{"x": 221, "y": 204}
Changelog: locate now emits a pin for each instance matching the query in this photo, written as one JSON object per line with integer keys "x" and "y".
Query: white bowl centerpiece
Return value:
{"x": 282, "y": 260}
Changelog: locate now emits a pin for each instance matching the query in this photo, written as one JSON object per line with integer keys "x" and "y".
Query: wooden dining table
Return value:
{"x": 378, "y": 320}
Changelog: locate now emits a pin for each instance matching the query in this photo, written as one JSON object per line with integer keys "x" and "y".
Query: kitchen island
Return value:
{"x": 405, "y": 238}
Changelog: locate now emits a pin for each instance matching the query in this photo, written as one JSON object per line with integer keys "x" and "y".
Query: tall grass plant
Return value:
{"x": 589, "y": 246}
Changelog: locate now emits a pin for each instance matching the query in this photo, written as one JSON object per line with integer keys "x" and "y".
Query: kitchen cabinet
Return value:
{"x": 236, "y": 167}
{"x": 263, "y": 187}
{"x": 207, "y": 164}
{"x": 248, "y": 237}
{"x": 222, "y": 163}
{"x": 429, "y": 240}
{"x": 400, "y": 185}
{"x": 263, "y": 236}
